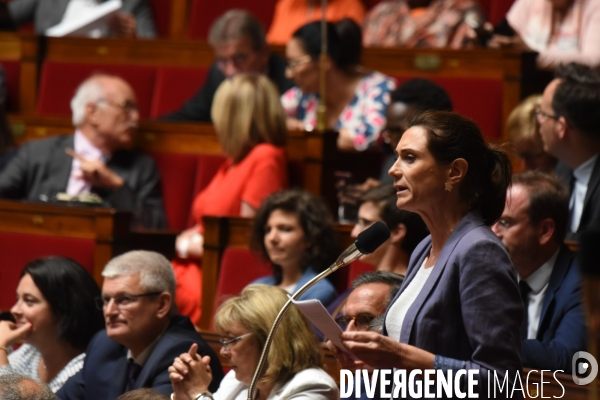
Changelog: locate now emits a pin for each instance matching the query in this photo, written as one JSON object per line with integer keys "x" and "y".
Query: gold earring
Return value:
{"x": 448, "y": 186}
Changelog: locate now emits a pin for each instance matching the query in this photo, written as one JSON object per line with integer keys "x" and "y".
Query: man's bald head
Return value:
{"x": 21, "y": 387}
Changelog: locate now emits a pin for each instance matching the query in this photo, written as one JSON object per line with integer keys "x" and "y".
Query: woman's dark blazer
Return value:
{"x": 470, "y": 309}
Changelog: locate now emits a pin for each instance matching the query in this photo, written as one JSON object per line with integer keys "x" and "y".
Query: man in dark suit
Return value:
{"x": 569, "y": 120}
{"x": 533, "y": 227}
{"x": 143, "y": 332}
{"x": 134, "y": 19}
{"x": 96, "y": 159}
{"x": 239, "y": 42}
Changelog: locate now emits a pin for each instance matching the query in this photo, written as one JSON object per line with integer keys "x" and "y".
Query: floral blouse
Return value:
{"x": 364, "y": 116}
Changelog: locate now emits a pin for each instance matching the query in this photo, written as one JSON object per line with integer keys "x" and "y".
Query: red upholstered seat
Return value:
{"x": 206, "y": 168}
{"x": 239, "y": 267}
{"x": 161, "y": 11}
{"x": 357, "y": 268}
{"x": 475, "y": 98}
{"x": 204, "y": 13}
{"x": 499, "y": 9}
{"x": 18, "y": 249}
{"x": 174, "y": 86}
{"x": 59, "y": 81}
{"x": 12, "y": 71}
{"x": 177, "y": 173}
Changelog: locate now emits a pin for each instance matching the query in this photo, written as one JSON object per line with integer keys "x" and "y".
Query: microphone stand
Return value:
{"x": 349, "y": 255}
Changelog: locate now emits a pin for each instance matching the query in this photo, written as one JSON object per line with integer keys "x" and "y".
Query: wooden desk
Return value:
{"x": 22, "y": 48}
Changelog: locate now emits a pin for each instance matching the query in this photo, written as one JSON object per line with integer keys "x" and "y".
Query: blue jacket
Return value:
{"x": 561, "y": 332}
{"x": 322, "y": 290}
{"x": 104, "y": 373}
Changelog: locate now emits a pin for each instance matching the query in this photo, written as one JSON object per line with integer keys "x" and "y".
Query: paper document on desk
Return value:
{"x": 94, "y": 19}
{"x": 318, "y": 315}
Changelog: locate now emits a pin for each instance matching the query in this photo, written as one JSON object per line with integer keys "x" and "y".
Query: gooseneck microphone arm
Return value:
{"x": 366, "y": 242}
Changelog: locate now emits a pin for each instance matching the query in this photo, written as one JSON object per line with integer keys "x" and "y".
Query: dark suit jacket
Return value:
{"x": 470, "y": 308}
{"x": 561, "y": 332}
{"x": 590, "y": 217}
{"x": 41, "y": 169}
{"x": 104, "y": 373}
{"x": 47, "y": 13}
{"x": 198, "y": 107}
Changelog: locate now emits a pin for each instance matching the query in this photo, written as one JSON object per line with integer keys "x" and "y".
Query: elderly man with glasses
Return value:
{"x": 96, "y": 164}
{"x": 143, "y": 332}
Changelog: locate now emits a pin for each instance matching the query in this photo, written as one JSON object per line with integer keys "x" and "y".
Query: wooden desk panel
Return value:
{"x": 24, "y": 49}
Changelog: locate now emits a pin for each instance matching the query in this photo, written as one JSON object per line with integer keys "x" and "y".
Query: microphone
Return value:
{"x": 366, "y": 242}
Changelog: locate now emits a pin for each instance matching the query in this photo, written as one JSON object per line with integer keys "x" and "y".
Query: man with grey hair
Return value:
{"x": 238, "y": 40}
{"x": 143, "y": 332}
{"x": 21, "y": 387}
{"x": 97, "y": 159}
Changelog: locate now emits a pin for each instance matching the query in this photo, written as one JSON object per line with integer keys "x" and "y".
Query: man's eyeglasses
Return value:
{"x": 361, "y": 321}
{"x": 121, "y": 300}
{"x": 127, "y": 106}
{"x": 293, "y": 63}
{"x": 226, "y": 342}
{"x": 542, "y": 114}
{"x": 237, "y": 60}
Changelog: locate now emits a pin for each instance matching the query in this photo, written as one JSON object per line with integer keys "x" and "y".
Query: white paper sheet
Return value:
{"x": 94, "y": 19}
{"x": 318, "y": 315}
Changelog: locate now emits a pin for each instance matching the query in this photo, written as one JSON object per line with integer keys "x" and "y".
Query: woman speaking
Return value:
{"x": 459, "y": 306}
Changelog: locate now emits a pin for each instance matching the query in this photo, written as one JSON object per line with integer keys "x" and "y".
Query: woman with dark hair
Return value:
{"x": 459, "y": 306}
{"x": 294, "y": 231}
{"x": 56, "y": 317}
{"x": 356, "y": 99}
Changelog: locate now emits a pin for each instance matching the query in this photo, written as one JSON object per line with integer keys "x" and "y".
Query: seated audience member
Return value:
{"x": 55, "y": 317}
{"x": 560, "y": 31}
{"x": 21, "y": 387}
{"x": 143, "y": 332}
{"x": 250, "y": 125}
{"x": 238, "y": 40}
{"x": 7, "y": 143}
{"x": 143, "y": 394}
{"x": 420, "y": 23}
{"x": 371, "y": 295}
{"x": 533, "y": 227}
{"x": 293, "y": 230}
{"x": 133, "y": 20}
{"x": 524, "y": 132}
{"x": 570, "y": 130}
{"x": 292, "y": 14}
{"x": 356, "y": 99}
{"x": 96, "y": 159}
{"x": 244, "y": 321}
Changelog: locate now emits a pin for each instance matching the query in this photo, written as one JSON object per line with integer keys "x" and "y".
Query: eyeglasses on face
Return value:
{"x": 293, "y": 63}
{"x": 121, "y": 300}
{"x": 238, "y": 60}
{"x": 541, "y": 115}
{"x": 361, "y": 321}
{"x": 226, "y": 342}
{"x": 127, "y": 106}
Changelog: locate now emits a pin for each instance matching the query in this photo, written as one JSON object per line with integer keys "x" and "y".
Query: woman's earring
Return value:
{"x": 448, "y": 186}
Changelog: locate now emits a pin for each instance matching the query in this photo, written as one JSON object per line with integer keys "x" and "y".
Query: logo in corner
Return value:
{"x": 585, "y": 368}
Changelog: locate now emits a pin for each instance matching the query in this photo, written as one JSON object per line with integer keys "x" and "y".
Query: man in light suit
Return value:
{"x": 143, "y": 332}
{"x": 570, "y": 129}
{"x": 238, "y": 40}
{"x": 532, "y": 227}
{"x": 134, "y": 20}
{"x": 97, "y": 158}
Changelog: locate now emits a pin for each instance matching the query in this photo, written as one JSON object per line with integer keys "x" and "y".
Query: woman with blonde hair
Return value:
{"x": 293, "y": 363}
{"x": 251, "y": 128}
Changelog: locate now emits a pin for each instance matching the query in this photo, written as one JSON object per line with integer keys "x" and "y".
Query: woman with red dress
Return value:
{"x": 250, "y": 124}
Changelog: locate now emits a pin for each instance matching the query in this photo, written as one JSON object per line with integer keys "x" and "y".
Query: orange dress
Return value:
{"x": 262, "y": 172}
{"x": 292, "y": 14}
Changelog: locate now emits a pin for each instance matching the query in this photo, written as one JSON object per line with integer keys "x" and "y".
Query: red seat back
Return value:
{"x": 59, "y": 80}
{"x": 239, "y": 267}
{"x": 499, "y": 9}
{"x": 356, "y": 269}
{"x": 476, "y": 98}
{"x": 18, "y": 249}
{"x": 161, "y": 11}
{"x": 206, "y": 168}
{"x": 177, "y": 172}
{"x": 12, "y": 71}
{"x": 205, "y": 12}
{"x": 174, "y": 86}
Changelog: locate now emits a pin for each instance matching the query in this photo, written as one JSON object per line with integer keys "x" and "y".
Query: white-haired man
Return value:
{"x": 98, "y": 158}
{"x": 143, "y": 332}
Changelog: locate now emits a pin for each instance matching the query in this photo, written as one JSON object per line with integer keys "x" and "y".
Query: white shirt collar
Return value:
{"x": 541, "y": 276}
{"x": 583, "y": 173}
